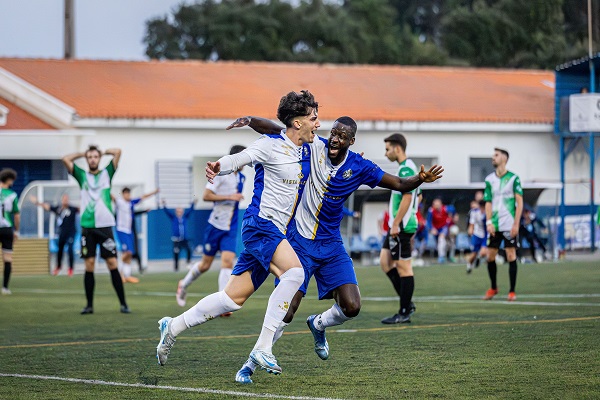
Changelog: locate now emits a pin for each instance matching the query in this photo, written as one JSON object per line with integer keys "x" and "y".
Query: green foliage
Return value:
{"x": 483, "y": 33}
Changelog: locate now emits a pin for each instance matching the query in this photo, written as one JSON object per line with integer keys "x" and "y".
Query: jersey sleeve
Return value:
{"x": 487, "y": 192}
{"x": 472, "y": 220}
{"x": 135, "y": 201}
{"x": 517, "y": 186}
{"x": 15, "y": 206}
{"x": 54, "y": 209}
{"x": 78, "y": 174}
{"x": 372, "y": 173}
{"x": 214, "y": 187}
{"x": 260, "y": 150}
{"x": 110, "y": 168}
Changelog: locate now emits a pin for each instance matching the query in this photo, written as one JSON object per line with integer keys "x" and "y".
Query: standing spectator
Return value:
{"x": 422, "y": 234}
{"x": 97, "y": 219}
{"x": 10, "y": 221}
{"x": 67, "y": 228}
{"x": 179, "y": 235}
{"x": 504, "y": 204}
{"x": 439, "y": 219}
{"x": 125, "y": 234}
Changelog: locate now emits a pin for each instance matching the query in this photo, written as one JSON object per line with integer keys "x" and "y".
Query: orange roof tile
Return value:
{"x": 20, "y": 119}
{"x": 197, "y": 89}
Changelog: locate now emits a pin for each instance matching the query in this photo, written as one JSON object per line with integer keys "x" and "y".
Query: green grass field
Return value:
{"x": 546, "y": 345}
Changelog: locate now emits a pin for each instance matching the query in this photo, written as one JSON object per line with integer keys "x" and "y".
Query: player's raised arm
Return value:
{"x": 116, "y": 153}
{"x": 411, "y": 183}
{"x": 261, "y": 125}
{"x": 69, "y": 159}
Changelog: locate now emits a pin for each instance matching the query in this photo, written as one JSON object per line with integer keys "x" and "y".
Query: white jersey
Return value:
{"x": 278, "y": 175}
{"x": 223, "y": 211}
{"x": 477, "y": 219}
{"x": 124, "y": 215}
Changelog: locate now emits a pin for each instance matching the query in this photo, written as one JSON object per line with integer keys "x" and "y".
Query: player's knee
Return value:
{"x": 295, "y": 275}
{"x": 351, "y": 307}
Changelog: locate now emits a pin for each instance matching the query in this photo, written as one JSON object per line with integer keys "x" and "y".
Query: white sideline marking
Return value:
{"x": 175, "y": 388}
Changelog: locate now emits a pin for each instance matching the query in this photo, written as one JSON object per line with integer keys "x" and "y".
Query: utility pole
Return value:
{"x": 69, "y": 29}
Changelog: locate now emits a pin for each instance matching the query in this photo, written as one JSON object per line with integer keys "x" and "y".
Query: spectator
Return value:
{"x": 527, "y": 232}
{"x": 439, "y": 219}
{"x": 179, "y": 231}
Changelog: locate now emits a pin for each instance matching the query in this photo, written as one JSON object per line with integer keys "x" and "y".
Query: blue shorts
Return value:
{"x": 477, "y": 243}
{"x": 218, "y": 240}
{"x": 442, "y": 231}
{"x": 126, "y": 240}
{"x": 261, "y": 238}
{"x": 327, "y": 260}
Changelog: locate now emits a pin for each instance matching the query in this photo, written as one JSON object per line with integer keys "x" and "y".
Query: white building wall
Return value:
{"x": 534, "y": 156}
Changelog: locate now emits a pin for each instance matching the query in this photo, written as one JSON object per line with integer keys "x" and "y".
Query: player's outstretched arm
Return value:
{"x": 411, "y": 183}
{"x": 145, "y": 196}
{"x": 35, "y": 201}
{"x": 69, "y": 159}
{"x": 261, "y": 125}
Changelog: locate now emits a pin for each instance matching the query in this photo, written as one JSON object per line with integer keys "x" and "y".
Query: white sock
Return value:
{"x": 441, "y": 247}
{"x": 332, "y": 317}
{"x": 126, "y": 270}
{"x": 224, "y": 275}
{"x": 191, "y": 276}
{"x": 206, "y": 309}
{"x": 250, "y": 364}
{"x": 279, "y": 331}
{"x": 279, "y": 303}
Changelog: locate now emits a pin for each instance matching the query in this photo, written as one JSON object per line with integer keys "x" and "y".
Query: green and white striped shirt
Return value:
{"x": 9, "y": 205}
{"x": 501, "y": 191}
{"x": 96, "y": 207}
{"x": 409, "y": 221}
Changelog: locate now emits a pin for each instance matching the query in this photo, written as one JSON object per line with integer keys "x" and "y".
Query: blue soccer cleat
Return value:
{"x": 244, "y": 374}
{"x": 321, "y": 345}
{"x": 266, "y": 361}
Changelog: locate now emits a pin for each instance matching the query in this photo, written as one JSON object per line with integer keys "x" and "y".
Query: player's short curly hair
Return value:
{"x": 350, "y": 123}
{"x": 294, "y": 105}
{"x": 8, "y": 174}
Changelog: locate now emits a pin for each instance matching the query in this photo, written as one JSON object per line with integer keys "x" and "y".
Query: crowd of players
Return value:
{"x": 290, "y": 230}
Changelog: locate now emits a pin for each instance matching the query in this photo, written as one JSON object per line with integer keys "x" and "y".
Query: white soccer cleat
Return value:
{"x": 167, "y": 340}
{"x": 181, "y": 295}
{"x": 6, "y": 291}
{"x": 265, "y": 361}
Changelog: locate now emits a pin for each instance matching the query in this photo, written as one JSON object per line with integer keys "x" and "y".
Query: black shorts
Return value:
{"x": 92, "y": 237}
{"x": 400, "y": 246}
{"x": 7, "y": 236}
{"x": 495, "y": 241}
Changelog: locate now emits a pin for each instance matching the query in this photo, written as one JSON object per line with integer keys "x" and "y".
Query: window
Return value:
{"x": 480, "y": 168}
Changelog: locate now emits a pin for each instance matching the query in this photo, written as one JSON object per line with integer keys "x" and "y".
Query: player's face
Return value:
{"x": 498, "y": 159}
{"x": 64, "y": 200}
{"x": 127, "y": 196}
{"x": 437, "y": 204}
{"x": 93, "y": 160}
{"x": 179, "y": 212}
{"x": 308, "y": 125}
{"x": 390, "y": 152}
{"x": 340, "y": 138}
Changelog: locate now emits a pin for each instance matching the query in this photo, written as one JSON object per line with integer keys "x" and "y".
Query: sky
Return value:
{"x": 104, "y": 29}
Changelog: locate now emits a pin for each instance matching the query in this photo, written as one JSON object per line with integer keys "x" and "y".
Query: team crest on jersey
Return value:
{"x": 347, "y": 173}
{"x": 300, "y": 175}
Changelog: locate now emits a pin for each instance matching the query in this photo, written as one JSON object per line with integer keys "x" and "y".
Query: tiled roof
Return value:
{"x": 206, "y": 90}
{"x": 21, "y": 119}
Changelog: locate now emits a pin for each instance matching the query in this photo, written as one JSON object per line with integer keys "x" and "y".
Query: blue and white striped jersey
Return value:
{"x": 277, "y": 162}
{"x": 320, "y": 211}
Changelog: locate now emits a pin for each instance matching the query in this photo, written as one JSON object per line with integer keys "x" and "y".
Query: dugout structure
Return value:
{"x": 39, "y": 227}
{"x": 577, "y": 124}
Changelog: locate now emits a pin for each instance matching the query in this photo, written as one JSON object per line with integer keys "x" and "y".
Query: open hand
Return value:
{"x": 239, "y": 123}
{"x": 431, "y": 175}
{"x": 212, "y": 170}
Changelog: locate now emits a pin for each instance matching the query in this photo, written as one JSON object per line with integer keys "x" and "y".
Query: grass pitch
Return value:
{"x": 545, "y": 345}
